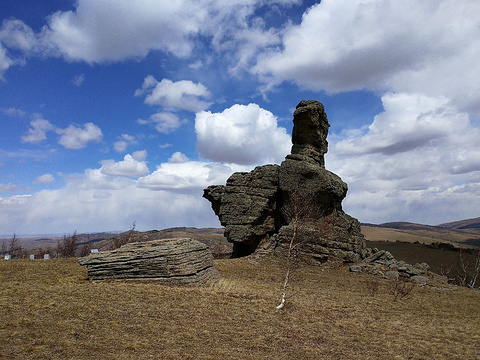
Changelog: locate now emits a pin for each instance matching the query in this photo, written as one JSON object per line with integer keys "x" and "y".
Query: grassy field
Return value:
{"x": 49, "y": 311}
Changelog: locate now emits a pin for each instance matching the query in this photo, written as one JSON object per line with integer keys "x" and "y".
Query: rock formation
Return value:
{"x": 174, "y": 261}
{"x": 252, "y": 206}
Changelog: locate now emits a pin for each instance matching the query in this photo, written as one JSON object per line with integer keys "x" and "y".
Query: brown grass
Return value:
{"x": 49, "y": 311}
{"x": 426, "y": 236}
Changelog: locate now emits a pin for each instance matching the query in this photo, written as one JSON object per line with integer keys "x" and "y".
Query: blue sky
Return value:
{"x": 120, "y": 111}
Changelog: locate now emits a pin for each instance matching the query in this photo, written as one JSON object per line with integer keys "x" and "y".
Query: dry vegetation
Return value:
{"x": 49, "y": 311}
{"x": 422, "y": 234}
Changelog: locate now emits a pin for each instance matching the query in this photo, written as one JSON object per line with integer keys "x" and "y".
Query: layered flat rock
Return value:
{"x": 174, "y": 261}
{"x": 251, "y": 206}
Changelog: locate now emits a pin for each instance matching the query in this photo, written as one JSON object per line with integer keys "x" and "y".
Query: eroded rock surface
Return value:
{"x": 174, "y": 261}
{"x": 252, "y": 205}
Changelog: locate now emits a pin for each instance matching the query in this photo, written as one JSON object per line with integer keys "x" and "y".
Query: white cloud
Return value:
{"x": 241, "y": 134}
{"x": 15, "y": 34}
{"x": 184, "y": 94}
{"x": 178, "y": 158}
{"x": 140, "y": 155}
{"x": 77, "y": 138}
{"x": 165, "y": 122}
{"x": 418, "y": 161}
{"x": 99, "y": 31}
{"x": 398, "y": 45}
{"x": 44, "y": 179}
{"x": 188, "y": 176}
{"x": 5, "y": 61}
{"x": 125, "y": 140}
{"x": 96, "y": 201}
{"x": 21, "y": 40}
{"x": 38, "y": 130}
{"x": 14, "y": 112}
{"x": 131, "y": 166}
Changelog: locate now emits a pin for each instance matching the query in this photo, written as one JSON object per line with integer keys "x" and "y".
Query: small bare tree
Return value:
{"x": 129, "y": 237}
{"x": 401, "y": 288}
{"x": 15, "y": 249}
{"x": 474, "y": 282}
{"x": 301, "y": 207}
{"x": 68, "y": 246}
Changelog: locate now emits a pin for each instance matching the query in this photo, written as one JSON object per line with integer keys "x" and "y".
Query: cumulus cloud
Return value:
{"x": 99, "y": 31}
{"x": 125, "y": 140}
{"x": 187, "y": 176}
{"x": 88, "y": 207}
{"x": 178, "y": 158}
{"x": 184, "y": 94}
{"x": 97, "y": 201}
{"x": 164, "y": 122}
{"x": 241, "y": 134}
{"x": 75, "y": 137}
{"x": 344, "y": 45}
{"x": 44, "y": 179}
{"x": 418, "y": 158}
{"x": 131, "y": 166}
{"x": 38, "y": 130}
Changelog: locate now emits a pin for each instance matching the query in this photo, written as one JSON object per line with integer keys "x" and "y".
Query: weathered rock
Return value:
{"x": 248, "y": 207}
{"x": 419, "y": 279}
{"x": 251, "y": 205}
{"x": 173, "y": 261}
{"x": 310, "y": 130}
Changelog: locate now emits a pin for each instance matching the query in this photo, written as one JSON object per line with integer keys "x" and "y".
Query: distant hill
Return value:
{"x": 407, "y": 226}
{"x": 462, "y": 224}
{"x": 463, "y": 233}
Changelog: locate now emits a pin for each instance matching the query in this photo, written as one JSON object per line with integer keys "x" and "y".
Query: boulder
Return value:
{"x": 174, "y": 261}
{"x": 255, "y": 207}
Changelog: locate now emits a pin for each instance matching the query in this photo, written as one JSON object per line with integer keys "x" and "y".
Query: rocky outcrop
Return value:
{"x": 248, "y": 207}
{"x": 382, "y": 263}
{"x": 174, "y": 261}
{"x": 254, "y": 206}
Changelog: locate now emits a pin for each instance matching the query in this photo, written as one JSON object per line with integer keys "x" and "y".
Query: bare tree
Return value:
{"x": 474, "y": 280}
{"x": 85, "y": 250}
{"x": 301, "y": 207}
{"x": 129, "y": 237}
{"x": 68, "y": 246}
{"x": 15, "y": 249}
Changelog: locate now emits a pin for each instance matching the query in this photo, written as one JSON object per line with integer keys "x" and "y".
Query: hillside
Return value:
{"x": 424, "y": 234}
{"x": 463, "y": 224}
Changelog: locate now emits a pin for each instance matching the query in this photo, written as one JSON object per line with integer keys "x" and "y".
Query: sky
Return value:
{"x": 120, "y": 111}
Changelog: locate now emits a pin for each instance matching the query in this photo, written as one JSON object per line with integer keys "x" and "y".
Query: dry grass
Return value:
{"x": 426, "y": 236}
{"x": 49, "y": 311}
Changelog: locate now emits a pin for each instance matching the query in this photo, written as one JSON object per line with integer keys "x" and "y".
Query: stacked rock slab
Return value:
{"x": 174, "y": 261}
{"x": 251, "y": 205}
